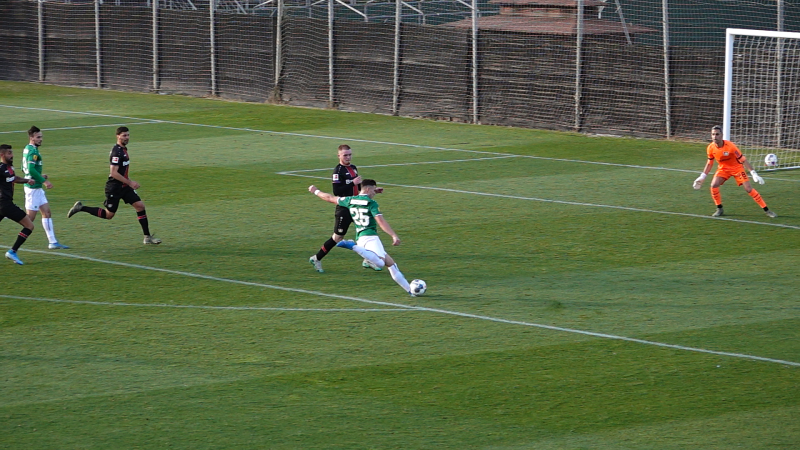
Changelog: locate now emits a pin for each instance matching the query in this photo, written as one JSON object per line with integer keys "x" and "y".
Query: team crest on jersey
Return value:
{"x": 725, "y": 153}
{"x": 35, "y": 157}
{"x": 335, "y": 177}
{"x": 115, "y": 159}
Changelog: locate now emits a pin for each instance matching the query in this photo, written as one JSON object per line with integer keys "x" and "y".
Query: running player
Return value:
{"x": 346, "y": 181}
{"x": 35, "y": 198}
{"x": 367, "y": 217}
{"x": 7, "y": 206}
{"x": 730, "y": 163}
{"x": 119, "y": 188}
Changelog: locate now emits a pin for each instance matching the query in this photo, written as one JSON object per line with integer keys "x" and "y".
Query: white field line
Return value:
{"x": 230, "y": 308}
{"x": 422, "y": 308}
{"x": 566, "y": 202}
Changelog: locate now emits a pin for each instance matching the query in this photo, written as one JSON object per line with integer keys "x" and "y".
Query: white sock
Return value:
{"x": 398, "y": 277}
{"x": 369, "y": 256}
{"x": 47, "y": 224}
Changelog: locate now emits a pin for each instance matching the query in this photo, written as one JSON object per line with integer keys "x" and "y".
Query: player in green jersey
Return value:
{"x": 367, "y": 218}
{"x": 35, "y": 198}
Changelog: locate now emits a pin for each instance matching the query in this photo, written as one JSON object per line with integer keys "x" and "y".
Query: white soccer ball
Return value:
{"x": 418, "y": 287}
{"x": 771, "y": 160}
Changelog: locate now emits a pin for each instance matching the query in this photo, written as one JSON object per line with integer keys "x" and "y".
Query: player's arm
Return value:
{"x": 29, "y": 181}
{"x": 387, "y": 229}
{"x": 752, "y": 170}
{"x": 114, "y": 173}
{"x": 330, "y": 198}
{"x": 33, "y": 170}
{"x": 699, "y": 181}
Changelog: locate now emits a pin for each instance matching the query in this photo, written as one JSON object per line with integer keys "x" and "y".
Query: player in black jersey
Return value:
{"x": 119, "y": 188}
{"x": 346, "y": 182}
{"x": 7, "y": 206}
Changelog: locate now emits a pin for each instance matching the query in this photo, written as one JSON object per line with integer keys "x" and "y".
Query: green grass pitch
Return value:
{"x": 579, "y": 294}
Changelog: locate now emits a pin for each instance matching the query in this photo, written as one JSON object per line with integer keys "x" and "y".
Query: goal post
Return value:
{"x": 762, "y": 95}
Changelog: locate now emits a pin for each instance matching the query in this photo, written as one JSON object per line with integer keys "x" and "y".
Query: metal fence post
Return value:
{"x": 212, "y": 6}
{"x": 40, "y": 20}
{"x": 276, "y": 91}
{"x": 667, "y": 82}
{"x": 155, "y": 46}
{"x": 474, "y": 61}
{"x": 578, "y": 51}
{"x": 396, "y": 62}
{"x": 97, "y": 46}
{"x": 331, "y": 102}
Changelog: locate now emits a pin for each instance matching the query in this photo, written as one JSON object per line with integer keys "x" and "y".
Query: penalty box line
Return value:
{"x": 563, "y": 202}
{"x": 423, "y": 308}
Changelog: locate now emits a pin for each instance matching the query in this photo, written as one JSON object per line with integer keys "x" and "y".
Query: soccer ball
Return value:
{"x": 418, "y": 287}
{"x": 771, "y": 160}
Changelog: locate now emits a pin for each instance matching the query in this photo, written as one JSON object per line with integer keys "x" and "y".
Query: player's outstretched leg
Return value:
{"x": 400, "y": 279}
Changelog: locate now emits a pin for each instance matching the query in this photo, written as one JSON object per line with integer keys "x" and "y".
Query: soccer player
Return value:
{"x": 730, "y": 163}
{"x": 367, "y": 217}
{"x": 35, "y": 198}
{"x": 346, "y": 181}
{"x": 7, "y": 206}
{"x": 119, "y": 188}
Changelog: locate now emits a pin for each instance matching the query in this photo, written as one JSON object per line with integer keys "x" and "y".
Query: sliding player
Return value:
{"x": 731, "y": 163}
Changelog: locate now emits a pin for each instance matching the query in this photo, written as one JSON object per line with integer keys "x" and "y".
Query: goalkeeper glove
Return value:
{"x": 756, "y": 178}
{"x": 699, "y": 181}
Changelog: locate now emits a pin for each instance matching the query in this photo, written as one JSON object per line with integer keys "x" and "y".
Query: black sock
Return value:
{"x": 23, "y": 236}
{"x": 95, "y": 211}
{"x": 143, "y": 222}
{"x": 326, "y": 247}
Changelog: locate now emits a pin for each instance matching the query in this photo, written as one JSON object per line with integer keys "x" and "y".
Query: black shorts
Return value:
{"x": 342, "y": 220}
{"x": 12, "y": 211}
{"x": 114, "y": 194}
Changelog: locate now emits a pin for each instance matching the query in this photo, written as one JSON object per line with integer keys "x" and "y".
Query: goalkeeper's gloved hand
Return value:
{"x": 699, "y": 181}
{"x": 756, "y": 178}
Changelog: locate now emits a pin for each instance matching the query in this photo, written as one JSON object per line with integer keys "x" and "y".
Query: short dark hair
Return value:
{"x": 344, "y": 147}
{"x": 121, "y": 130}
{"x": 33, "y": 130}
{"x": 4, "y": 148}
{"x": 368, "y": 182}
{"x": 716, "y": 127}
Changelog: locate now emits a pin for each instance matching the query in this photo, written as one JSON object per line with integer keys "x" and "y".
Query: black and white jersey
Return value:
{"x": 119, "y": 157}
{"x": 342, "y": 179}
{"x": 7, "y": 183}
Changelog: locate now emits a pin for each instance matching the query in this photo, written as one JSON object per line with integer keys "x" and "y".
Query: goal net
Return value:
{"x": 762, "y": 96}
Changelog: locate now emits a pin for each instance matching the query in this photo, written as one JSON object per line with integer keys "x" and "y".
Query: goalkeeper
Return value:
{"x": 730, "y": 163}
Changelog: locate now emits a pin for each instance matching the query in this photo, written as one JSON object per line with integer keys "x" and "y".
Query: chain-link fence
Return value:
{"x": 635, "y": 67}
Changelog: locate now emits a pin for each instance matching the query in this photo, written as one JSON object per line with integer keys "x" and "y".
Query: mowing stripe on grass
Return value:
{"x": 563, "y": 202}
{"x": 233, "y": 308}
{"x": 423, "y": 308}
{"x": 366, "y": 141}
{"x": 82, "y": 127}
